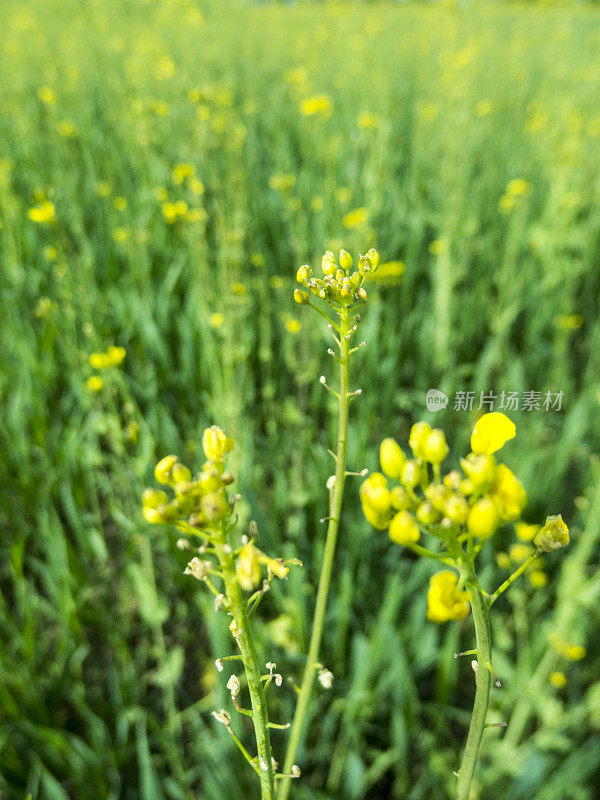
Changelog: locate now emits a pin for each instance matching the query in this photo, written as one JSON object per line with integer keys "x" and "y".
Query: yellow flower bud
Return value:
{"x": 452, "y": 480}
{"x": 301, "y": 297}
{"x": 438, "y": 496}
{"x": 373, "y": 257}
{"x": 248, "y": 568}
{"x": 163, "y": 470}
{"x": 553, "y": 535}
{"x": 427, "y": 514}
{"x": 483, "y": 519}
{"x": 216, "y": 444}
{"x": 491, "y": 432}
{"x": 153, "y": 498}
{"x": 508, "y": 494}
{"x": 304, "y": 274}
{"x": 153, "y": 515}
{"x": 377, "y": 520}
{"x": 410, "y": 475}
{"x": 214, "y": 506}
{"x": 400, "y": 499}
{"x": 180, "y": 474}
{"x": 391, "y": 458}
{"x": 345, "y": 260}
{"x": 503, "y": 560}
{"x": 328, "y": 264}
{"x": 418, "y": 434}
{"x": 362, "y": 293}
{"x": 404, "y": 529}
{"x": 479, "y": 469}
{"x": 444, "y": 601}
{"x": 115, "y": 355}
{"x": 575, "y": 652}
{"x": 435, "y": 448}
{"x": 456, "y": 509}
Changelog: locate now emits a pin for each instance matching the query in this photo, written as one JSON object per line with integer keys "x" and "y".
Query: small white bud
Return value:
{"x": 222, "y": 716}
{"x": 330, "y": 482}
{"x": 325, "y": 678}
{"x": 323, "y": 380}
{"x": 219, "y": 664}
{"x": 233, "y": 685}
{"x": 219, "y": 601}
{"x": 278, "y": 679}
{"x": 183, "y": 544}
{"x": 263, "y": 765}
{"x": 296, "y": 771}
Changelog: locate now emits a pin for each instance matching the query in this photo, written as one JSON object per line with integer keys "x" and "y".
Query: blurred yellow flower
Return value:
{"x": 519, "y": 187}
{"x": 66, "y": 129}
{"x": 47, "y": 96}
{"x": 238, "y": 288}
{"x": 216, "y": 319}
{"x": 482, "y": 108}
{"x": 444, "y": 601}
{"x": 196, "y": 186}
{"x": 319, "y": 104}
{"x": 293, "y": 325}
{"x": 283, "y": 182}
{"x": 569, "y": 322}
{"x": 257, "y": 259}
{"x": 538, "y": 578}
{"x": 388, "y": 273}
{"x": 181, "y": 172}
{"x": 356, "y": 219}
{"x": 343, "y": 194}
{"x": 317, "y": 204}
{"x": 120, "y": 203}
{"x": 368, "y": 121}
{"x": 94, "y": 384}
{"x": 121, "y": 235}
{"x": 558, "y": 679}
{"x": 520, "y": 552}
{"x": 525, "y": 531}
{"x": 438, "y": 246}
{"x": 174, "y": 211}
{"x": 44, "y": 212}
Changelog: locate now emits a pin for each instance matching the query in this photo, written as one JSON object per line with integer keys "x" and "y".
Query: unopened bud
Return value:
{"x": 345, "y": 259}
{"x": 301, "y": 297}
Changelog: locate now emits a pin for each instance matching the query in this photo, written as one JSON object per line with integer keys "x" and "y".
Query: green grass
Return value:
{"x": 106, "y": 650}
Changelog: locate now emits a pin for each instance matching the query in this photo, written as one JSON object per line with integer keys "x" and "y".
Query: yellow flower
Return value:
{"x": 558, "y": 679}
{"x": 376, "y": 501}
{"x": 93, "y": 384}
{"x": 66, "y": 129}
{"x": 115, "y": 355}
{"x": 216, "y": 444}
{"x": 525, "y": 531}
{"x": 121, "y": 235}
{"x": 368, "y": 121}
{"x": 248, "y": 567}
{"x": 389, "y": 273}
{"x": 391, "y": 458}
{"x": 173, "y": 211}
{"x": 163, "y": 471}
{"x": 538, "y": 578}
{"x": 44, "y": 212}
{"x": 356, "y": 219}
{"x": 404, "y": 529}
{"x": 519, "y": 551}
{"x": 319, "y": 104}
{"x": 120, "y": 203}
{"x": 283, "y": 182}
{"x": 575, "y": 652}
{"x": 435, "y": 448}
{"x": 98, "y": 360}
{"x": 293, "y": 325}
{"x": 519, "y": 187}
{"x": 216, "y": 320}
{"x": 508, "y": 494}
{"x": 491, "y": 432}
{"x": 438, "y": 246}
{"x": 47, "y": 96}
{"x": 553, "y": 535}
{"x": 418, "y": 434}
{"x": 181, "y": 172}
{"x": 196, "y": 186}
{"x": 444, "y": 601}
{"x": 483, "y": 519}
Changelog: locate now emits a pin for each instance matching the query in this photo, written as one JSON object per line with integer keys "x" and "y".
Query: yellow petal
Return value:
{"x": 491, "y": 432}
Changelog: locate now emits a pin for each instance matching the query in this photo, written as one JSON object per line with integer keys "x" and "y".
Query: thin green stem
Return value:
{"x": 245, "y": 642}
{"x": 511, "y": 578}
{"x": 327, "y": 565}
{"x": 482, "y": 692}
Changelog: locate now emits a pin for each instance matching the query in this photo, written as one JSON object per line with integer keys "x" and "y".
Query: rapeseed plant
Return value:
{"x": 461, "y": 511}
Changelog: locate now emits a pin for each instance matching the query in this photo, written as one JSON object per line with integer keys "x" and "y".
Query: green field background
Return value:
{"x": 120, "y": 112}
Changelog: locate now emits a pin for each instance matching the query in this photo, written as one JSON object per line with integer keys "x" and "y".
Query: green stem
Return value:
{"x": 482, "y": 692}
{"x": 511, "y": 578}
{"x": 326, "y": 568}
{"x": 245, "y": 642}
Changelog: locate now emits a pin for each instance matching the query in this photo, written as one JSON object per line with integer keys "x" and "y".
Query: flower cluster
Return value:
{"x": 464, "y": 507}
{"x": 340, "y": 283}
{"x": 201, "y": 500}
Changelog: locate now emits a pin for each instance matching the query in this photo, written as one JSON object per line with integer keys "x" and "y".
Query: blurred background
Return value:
{"x": 165, "y": 167}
